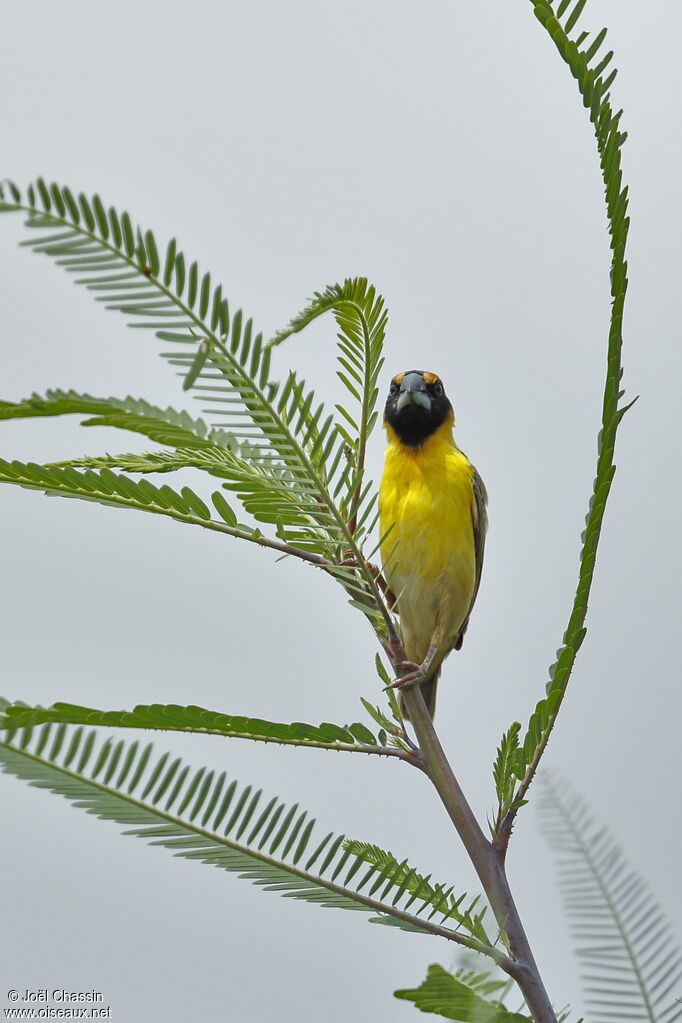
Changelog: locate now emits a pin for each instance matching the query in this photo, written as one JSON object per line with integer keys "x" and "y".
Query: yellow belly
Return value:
{"x": 426, "y": 495}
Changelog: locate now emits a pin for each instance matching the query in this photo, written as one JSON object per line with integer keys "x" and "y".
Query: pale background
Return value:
{"x": 440, "y": 149}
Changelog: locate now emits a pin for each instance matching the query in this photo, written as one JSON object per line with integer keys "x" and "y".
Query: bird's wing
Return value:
{"x": 479, "y": 520}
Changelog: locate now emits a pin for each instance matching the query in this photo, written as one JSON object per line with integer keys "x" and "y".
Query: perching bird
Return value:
{"x": 435, "y": 501}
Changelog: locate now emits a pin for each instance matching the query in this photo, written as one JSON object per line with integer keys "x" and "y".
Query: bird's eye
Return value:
{"x": 438, "y": 388}
{"x": 393, "y": 389}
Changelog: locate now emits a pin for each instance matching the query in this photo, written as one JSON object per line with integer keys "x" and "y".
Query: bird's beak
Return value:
{"x": 413, "y": 392}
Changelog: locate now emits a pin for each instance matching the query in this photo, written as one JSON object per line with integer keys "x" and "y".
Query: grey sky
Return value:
{"x": 441, "y": 150}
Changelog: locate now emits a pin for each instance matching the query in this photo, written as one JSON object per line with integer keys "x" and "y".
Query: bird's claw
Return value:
{"x": 416, "y": 673}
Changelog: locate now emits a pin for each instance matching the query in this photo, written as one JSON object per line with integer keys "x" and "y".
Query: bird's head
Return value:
{"x": 417, "y": 406}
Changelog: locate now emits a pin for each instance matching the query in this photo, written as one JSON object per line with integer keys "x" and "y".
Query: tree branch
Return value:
{"x": 487, "y": 860}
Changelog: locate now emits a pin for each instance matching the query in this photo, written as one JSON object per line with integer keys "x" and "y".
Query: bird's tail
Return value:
{"x": 428, "y": 688}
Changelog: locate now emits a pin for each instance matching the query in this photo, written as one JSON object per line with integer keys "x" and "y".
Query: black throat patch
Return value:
{"x": 413, "y": 424}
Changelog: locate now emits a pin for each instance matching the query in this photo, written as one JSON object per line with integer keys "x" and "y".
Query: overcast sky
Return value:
{"x": 440, "y": 149}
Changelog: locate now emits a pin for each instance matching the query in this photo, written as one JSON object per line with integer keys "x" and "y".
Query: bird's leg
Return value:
{"x": 416, "y": 673}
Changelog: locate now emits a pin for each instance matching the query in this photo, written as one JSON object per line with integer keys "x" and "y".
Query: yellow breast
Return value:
{"x": 426, "y": 496}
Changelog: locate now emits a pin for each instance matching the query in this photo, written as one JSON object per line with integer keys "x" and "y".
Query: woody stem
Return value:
{"x": 487, "y": 860}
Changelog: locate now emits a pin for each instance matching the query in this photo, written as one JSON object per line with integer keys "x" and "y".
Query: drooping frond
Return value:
{"x": 361, "y": 318}
{"x": 589, "y": 69}
{"x": 171, "y": 717}
{"x": 114, "y": 489}
{"x": 632, "y": 969}
{"x": 119, "y": 491}
{"x": 461, "y": 996}
{"x": 268, "y": 493}
{"x": 202, "y": 816}
{"x": 226, "y": 363}
{"x": 164, "y": 426}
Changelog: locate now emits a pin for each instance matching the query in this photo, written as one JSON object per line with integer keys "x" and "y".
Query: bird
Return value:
{"x": 433, "y": 522}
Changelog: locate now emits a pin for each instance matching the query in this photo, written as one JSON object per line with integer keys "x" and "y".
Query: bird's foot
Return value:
{"x": 415, "y": 673}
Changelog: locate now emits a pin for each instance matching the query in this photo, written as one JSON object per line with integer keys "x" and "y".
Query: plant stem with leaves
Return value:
{"x": 486, "y": 859}
{"x": 299, "y": 474}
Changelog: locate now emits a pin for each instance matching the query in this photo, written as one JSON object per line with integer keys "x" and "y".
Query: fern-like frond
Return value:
{"x": 203, "y": 816}
{"x": 165, "y": 426}
{"x": 171, "y": 717}
{"x": 114, "y": 489}
{"x": 222, "y": 358}
{"x": 451, "y": 907}
{"x": 632, "y": 968}
{"x": 462, "y": 996}
{"x": 119, "y": 491}
{"x": 361, "y": 318}
{"x": 594, "y": 83}
{"x": 268, "y": 493}
{"x": 505, "y": 766}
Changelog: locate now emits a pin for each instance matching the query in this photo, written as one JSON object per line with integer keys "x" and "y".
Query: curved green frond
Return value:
{"x": 462, "y": 996}
{"x": 223, "y": 360}
{"x": 165, "y": 426}
{"x": 171, "y": 717}
{"x": 119, "y": 491}
{"x": 203, "y": 817}
{"x": 589, "y": 70}
{"x": 113, "y": 489}
{"x": 361, "y": 317}
{"x": 632, "y": 968}
{"x": 272, "y": 495}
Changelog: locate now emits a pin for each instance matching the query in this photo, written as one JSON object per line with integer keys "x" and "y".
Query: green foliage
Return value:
{"x": 361, "y": 318}
{"x": 631, "y": 967}
{"x": 164, "y": 426}
{"x": 203, "y": 817}
{"x": 266, "y": 493}
{"x": 120, "y": 491}
{"x": 462, "y": 996}
{"x": 594, "y": 83}
{"x": 300, "y": 472}
{"x": 504, "y": 768}
{"x": 421, "y": 888}
{"x": 298, "y": 469}
{"x": 171, "y": 717}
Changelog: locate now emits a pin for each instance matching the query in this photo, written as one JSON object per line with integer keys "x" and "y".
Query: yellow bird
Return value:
{"x": 435, "y": 501}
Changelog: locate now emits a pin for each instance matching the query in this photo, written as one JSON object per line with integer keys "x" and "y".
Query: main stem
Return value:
{"x": 487, "y": 860}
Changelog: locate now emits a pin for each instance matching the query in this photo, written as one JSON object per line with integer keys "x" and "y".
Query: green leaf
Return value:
{"x": 631, "y": 966}
{"x": 119, "y": 491}
{"x": 229, "y": 371}
{"x": 198, "y": 816}
{"x": 196, "y": 719}
{"x": 165, "y": 426}
{"x": 385, "y": 723}
{"x": 104, "y": 487}
{"x": 445, "y": 995}
{"x": 197, "y": 365}
{"x": 574, "y": 15}
{"x": 361, "y": 318}
{"x": 505, "y": 768}
{"x": 223, "y": 508}
{"x": 594, "y": 92}
{"x": 469, "y": 917}
{"x": 269, "y": 497}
